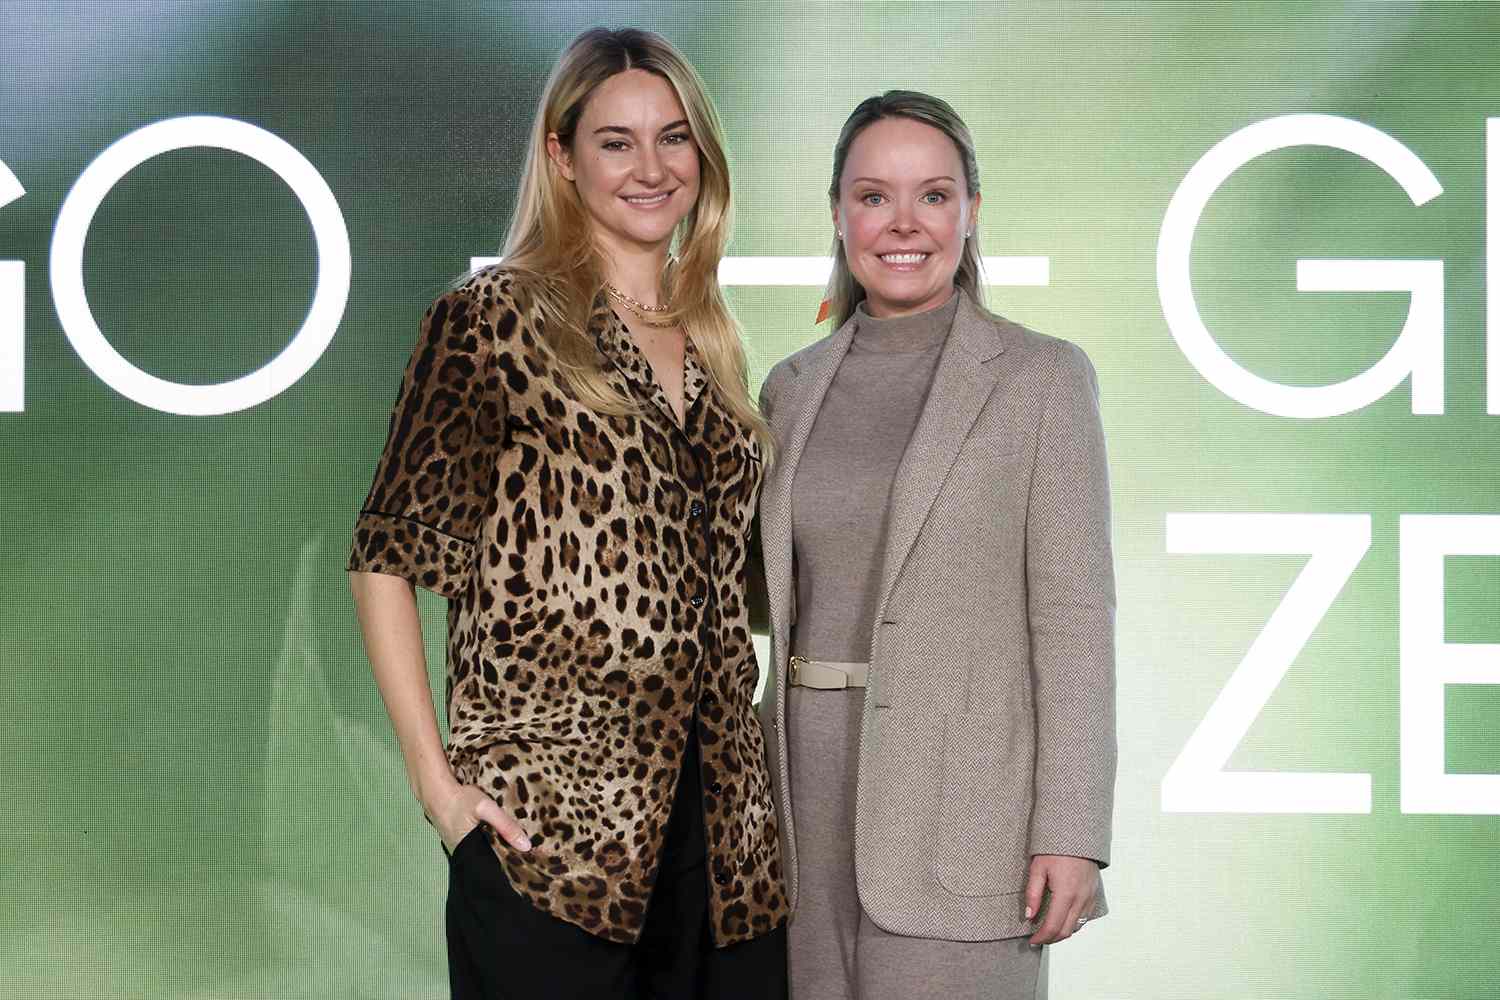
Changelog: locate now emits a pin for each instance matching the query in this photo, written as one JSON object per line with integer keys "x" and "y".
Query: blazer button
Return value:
{"x": 721, "y": 876}
{"x": 697, "y": 601}
{"x": 696, "y": 509}
{"x": 716, "y": 789}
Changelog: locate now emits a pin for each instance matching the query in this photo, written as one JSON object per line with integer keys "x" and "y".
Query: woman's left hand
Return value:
{"x": 1072, "y": 883}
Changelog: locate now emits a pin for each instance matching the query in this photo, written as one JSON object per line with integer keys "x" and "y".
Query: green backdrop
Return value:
{"x": 201, "y": 794}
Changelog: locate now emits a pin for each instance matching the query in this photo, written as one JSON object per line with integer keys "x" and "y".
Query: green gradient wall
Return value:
{"x": 201, "y": 793}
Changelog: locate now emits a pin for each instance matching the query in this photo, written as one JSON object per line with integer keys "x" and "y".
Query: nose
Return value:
{"x": 648, "y": 168}
{"x": 904, "y": 220}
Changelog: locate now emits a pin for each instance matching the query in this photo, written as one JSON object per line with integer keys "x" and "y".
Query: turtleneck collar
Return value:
{"x": 912, "y": 334}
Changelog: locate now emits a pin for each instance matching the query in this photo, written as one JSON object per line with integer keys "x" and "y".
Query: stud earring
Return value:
{"x": 838, "y": 234}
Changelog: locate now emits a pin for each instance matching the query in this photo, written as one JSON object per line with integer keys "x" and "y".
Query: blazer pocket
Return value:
{"x": 995, "y": 447}
{"x": 984, "y": 807}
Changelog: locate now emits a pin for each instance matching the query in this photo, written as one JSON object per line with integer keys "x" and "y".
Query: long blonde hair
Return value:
{"x": 550, "y": 243}
{"x": 844, "y": 293}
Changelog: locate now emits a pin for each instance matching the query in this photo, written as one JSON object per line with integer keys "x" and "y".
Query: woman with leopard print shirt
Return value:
{"x": 574, "y": 462}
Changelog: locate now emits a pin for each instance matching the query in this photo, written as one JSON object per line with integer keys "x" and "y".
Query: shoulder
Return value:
{"x": 789, "y": 368}
{"x": 782, "y": 374}
{"x": 774, "y": 384}
{"x": 496, "y": 290}
{"x": 502, "y": 304}
{"x": 1053, "y": 357}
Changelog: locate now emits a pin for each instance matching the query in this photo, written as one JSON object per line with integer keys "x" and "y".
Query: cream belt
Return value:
{"x": 827, "y": 676}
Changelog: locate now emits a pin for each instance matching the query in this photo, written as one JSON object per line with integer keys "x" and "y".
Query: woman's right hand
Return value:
{"x": 461, "y": 808}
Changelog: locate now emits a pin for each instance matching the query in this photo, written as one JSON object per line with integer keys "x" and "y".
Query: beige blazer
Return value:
{"x": 988, "y": 733}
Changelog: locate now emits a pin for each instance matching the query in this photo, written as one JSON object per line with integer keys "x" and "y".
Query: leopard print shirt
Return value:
{"x": 595, "y": 570}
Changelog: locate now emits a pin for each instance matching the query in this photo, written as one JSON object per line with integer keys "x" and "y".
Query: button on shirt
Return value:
{"x": 594, "y": 567}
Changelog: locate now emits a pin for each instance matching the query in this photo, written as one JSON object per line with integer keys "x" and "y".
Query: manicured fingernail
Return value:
{"x": 523, "y": 843}
{"x": 1028, "y": 913}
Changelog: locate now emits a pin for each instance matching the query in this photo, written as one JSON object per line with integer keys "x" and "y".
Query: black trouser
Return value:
{"x": 501, "y": 947}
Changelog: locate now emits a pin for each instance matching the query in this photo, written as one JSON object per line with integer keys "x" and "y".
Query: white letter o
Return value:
{"x": 329, "y": 296}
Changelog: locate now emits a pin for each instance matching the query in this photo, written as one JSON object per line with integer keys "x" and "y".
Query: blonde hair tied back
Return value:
{"x": 844, "y": 293}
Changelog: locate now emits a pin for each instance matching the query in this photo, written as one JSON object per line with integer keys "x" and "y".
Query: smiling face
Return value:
{"x": 633, "y": 161}
{"x": 903, "y": 208}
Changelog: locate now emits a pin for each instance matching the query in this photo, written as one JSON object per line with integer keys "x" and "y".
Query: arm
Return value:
{"x": 755, "y": 566}
{"x": 1071, "y": 608}
{"x": 392, "y": 630}
{"x": 417, "y": 527}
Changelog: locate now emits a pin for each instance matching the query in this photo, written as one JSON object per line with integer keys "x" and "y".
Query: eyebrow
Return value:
{"x": 622, "y": 130}
{"x": 877, "y": 180}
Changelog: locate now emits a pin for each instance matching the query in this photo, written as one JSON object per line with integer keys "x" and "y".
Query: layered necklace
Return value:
{"x": 640, "y": 308}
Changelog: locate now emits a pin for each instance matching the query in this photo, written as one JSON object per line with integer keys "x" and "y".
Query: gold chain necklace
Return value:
{"x": 635, "y": 303}
{"x": 655, "y": 324}
{"x": 642, "y": 310}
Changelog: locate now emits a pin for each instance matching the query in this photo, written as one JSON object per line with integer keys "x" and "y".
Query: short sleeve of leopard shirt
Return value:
{"x": 437, "y": 471}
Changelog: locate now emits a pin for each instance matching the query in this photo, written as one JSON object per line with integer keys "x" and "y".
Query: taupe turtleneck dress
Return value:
{"x": 840, "y": 510}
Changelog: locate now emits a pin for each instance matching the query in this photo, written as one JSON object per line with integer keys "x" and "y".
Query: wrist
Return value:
{"x": 432, "y": 786}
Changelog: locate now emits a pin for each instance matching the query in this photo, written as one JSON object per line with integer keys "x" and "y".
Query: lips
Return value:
{"x": 647, "y": 200}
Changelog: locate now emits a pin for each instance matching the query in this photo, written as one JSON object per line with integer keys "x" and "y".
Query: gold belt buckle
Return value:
{"x": 795, "y": 669}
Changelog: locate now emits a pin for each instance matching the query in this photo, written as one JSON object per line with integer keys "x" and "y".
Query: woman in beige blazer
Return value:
{"x": 937, "y": 556}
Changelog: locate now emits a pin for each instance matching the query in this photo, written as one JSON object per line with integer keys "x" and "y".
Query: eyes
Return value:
{"x": 875, "y": 199}
{"x": 669, "y": 140}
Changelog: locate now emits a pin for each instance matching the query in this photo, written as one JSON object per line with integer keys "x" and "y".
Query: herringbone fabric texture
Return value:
{"x": 988, "y": 727}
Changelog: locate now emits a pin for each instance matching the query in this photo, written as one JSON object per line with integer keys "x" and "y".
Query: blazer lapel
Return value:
{"x": 960, "y": 385}
{"x": 796, "y": 410}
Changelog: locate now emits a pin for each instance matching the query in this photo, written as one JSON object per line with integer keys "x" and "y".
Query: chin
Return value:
{"x": 902, "y": 298}
{"x": 648, "y": 237}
